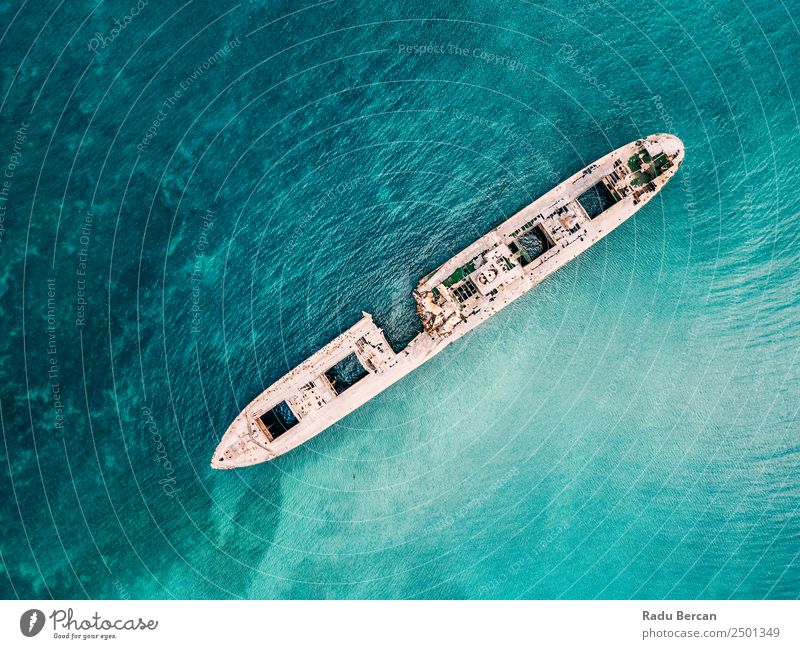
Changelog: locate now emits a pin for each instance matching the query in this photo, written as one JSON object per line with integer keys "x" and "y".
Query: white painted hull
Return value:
{"x": 247, "y": 442}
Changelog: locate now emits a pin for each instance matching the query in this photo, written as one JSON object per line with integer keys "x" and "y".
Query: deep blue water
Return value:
{"x": 196, "y": 201}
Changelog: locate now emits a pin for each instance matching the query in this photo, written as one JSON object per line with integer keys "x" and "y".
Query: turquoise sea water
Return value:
{"x": 198, "y": 196}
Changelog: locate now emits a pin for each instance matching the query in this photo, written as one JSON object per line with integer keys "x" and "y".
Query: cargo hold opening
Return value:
{"x": 276, "y": 421}
{"x": 596, "y": 200}
{"x": 346, "y": 373}
{"x": 532, "y": 245}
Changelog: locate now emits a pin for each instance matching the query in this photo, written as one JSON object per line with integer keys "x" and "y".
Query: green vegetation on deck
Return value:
{"x": 459, "y": 274}
{"x": 635, "y": 161}
{"x": 641, "y": 177}
{"x": 645, "y": 168}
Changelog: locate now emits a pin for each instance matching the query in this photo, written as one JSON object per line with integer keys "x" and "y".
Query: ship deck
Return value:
{"x": 543, "y": 236}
